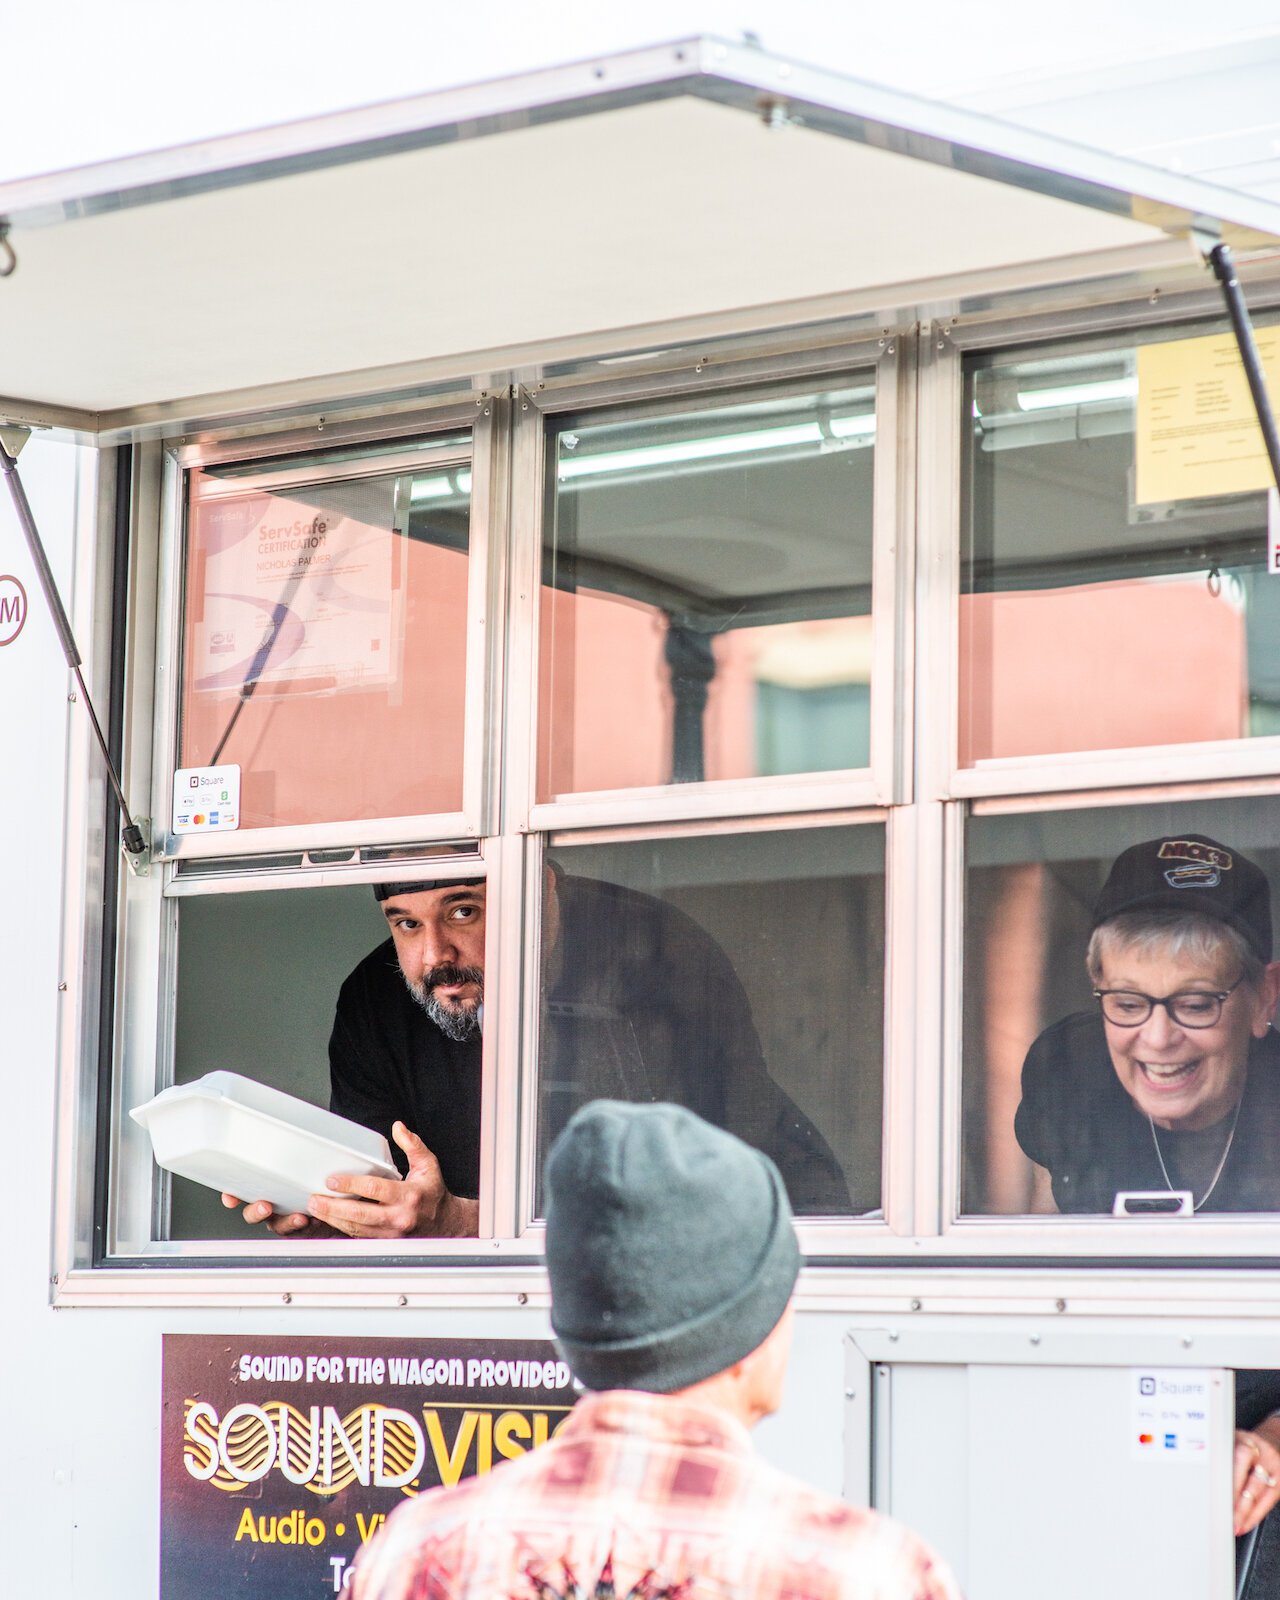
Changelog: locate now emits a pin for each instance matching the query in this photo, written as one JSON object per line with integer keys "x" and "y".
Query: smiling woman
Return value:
{"x": 1148, "y": 1095}
{"x": 1118, "y": 1005}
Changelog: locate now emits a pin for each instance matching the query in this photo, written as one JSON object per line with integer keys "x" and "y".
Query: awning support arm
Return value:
{"x": 1219, "y": 258}
{"x": 131, "y": 833}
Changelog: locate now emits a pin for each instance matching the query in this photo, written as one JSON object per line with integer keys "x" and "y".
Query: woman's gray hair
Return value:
{"x": 1172, "y": 933}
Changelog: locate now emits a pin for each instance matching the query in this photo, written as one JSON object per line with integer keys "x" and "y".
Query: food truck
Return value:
{"x": 827, "y": 523}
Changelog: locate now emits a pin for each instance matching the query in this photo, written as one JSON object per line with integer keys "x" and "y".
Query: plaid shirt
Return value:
{"x": 642, "y": 1497}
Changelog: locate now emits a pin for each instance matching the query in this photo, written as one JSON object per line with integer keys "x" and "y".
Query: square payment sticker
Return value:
{"x": 206, "y": 799}
{"x": 1169, "y": 1413}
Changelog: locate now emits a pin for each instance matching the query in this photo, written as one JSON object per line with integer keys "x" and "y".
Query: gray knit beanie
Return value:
{"x": 669, "y": 1247}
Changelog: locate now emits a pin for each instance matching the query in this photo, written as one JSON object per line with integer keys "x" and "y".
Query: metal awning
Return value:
{"x": 463, "y": 232}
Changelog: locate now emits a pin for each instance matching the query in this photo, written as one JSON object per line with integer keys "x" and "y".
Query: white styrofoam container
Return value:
{"x": 233, "y": 1134}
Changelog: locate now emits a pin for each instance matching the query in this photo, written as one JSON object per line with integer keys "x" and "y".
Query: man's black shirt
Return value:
{"x": 640, "y": 1003}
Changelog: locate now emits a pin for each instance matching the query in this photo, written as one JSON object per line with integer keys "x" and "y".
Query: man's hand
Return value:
{"x": 256, "y": 1211}
{"x": 1256, "y": 1485}
{"x": 417, "y": 1206}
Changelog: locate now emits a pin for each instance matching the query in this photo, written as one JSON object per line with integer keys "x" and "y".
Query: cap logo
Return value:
{"x": 1192, "y": 877}
{"x": 1207, "y": 855}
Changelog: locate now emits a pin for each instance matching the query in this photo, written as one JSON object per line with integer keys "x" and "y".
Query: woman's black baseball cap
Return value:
{"x": 1191, "y": 873}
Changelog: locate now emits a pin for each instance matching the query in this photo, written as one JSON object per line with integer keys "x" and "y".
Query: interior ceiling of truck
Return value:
{"x": 467, "y": 251}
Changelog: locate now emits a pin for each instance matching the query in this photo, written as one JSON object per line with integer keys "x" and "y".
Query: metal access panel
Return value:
{"x": 1106, "y": 1475}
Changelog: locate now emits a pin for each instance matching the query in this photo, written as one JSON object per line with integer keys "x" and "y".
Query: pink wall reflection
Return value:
{"x": 1105, "y": 666}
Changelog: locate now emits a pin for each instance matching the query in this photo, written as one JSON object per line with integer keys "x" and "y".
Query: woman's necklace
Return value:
{"x": 1222, "y": 1160}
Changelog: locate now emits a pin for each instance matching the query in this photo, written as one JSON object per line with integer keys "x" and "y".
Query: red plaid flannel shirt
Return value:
{"x": 646, "y": 1497}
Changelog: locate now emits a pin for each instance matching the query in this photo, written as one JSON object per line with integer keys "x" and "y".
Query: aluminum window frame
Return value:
{"x": 137, "y": 1213}
{"x": 943, "y": 391}
{"x": 141, "y": 1051}
{"x": 485, "y": 456}
{"x": 1206, "y": 1239}
{"x": 884, "y": 361}
{"x": 924, "y": 800}
{"x": 821, "y": 1238}
{"x": 1021, "y": 785}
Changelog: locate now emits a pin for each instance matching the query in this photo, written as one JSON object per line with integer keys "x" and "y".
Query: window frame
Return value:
{"x": 1084, "y": 770}
{"x": 133, "y": 1199}
{"x": 914, "y": 784}
{"x": 484, "y": 587}
{"x": 1205, "y": 1237}
{"x": 886, "y": 780}
{"x": 819, "y": 1236}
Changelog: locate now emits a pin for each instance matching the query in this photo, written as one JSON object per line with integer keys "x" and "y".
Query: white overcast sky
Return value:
{"x": 84, "y": 80}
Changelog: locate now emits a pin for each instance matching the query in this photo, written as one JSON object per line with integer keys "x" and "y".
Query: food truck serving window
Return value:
{"x": 1119, "y": 1057}
{"x": 1114, "y": 985}
{"x": 626, "y": 736}
{"x": 380, "y": 736}
{"x": 741, "y": 974}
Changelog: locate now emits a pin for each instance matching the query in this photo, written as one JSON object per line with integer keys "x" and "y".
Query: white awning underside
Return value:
{"x": 626, "y": 217}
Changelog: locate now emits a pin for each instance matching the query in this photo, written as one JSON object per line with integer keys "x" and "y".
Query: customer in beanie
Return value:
{"x": 672, "y": 1260}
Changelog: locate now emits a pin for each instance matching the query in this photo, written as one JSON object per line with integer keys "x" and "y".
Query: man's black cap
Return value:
{"x": 1191, "y": 873}
{"x": 384, "y": 891}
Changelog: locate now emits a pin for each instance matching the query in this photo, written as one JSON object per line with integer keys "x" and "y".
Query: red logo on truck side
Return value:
{"x": 13, "y": 608}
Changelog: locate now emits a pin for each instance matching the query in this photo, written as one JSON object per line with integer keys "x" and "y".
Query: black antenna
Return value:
{"x": 130, "y": 834}
{"x": 1219, "y": 259}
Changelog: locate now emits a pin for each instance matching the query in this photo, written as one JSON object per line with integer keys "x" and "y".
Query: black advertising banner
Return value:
{"x": 280, "y": 1457}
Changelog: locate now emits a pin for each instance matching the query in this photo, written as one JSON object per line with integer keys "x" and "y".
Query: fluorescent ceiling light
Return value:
{"x": 733, "y": 444}
{"x": 853, "y": 427}
{"x": 1077, "y": 394}
{"x": 441, "y": 486}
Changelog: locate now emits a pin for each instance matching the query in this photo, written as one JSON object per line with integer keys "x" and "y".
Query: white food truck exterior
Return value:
{"x": 591, "y": 428}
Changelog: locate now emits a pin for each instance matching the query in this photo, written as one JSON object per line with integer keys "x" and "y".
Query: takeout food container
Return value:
{"x": 233, "y": 1134}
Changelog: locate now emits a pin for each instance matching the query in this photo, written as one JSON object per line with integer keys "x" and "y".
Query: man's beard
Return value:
{"x": 458, "y": 1023}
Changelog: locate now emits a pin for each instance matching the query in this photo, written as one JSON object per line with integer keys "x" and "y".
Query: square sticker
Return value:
{"x": 1169, "y": 1413}
{"x": 206, "y": 799}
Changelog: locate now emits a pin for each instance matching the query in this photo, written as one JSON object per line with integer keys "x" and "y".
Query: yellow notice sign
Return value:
{"x": 1197, "y": 431}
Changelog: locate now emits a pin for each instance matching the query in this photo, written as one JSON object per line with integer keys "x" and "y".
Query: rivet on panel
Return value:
{"x": 915, "y": 1305}
{"x": 287, "y": 1298}
{"x": 402, "y": 1299}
